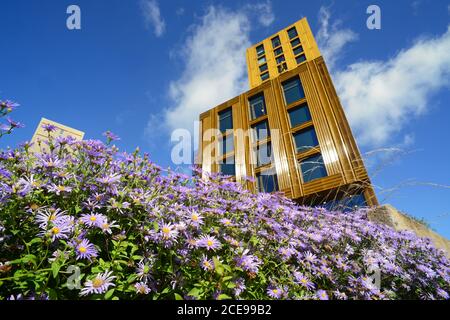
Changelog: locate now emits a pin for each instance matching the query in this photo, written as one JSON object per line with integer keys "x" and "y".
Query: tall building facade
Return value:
{"x": 289, "y": 131}
{"x": 40, "y": 135}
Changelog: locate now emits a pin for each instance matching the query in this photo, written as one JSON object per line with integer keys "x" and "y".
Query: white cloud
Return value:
{"x": 381, "y": 97}
{"x": 331, "y": 39}
{"x": 264, "y": 12}
{"x": 215, "y": 67}
{"x": 152, "y": 15}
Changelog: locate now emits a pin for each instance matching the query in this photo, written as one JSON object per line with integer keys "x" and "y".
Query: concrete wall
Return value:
{"x": 392, "y": 217}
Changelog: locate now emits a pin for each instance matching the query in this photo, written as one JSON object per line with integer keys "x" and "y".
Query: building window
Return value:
{"x": 282, "y": 67}
{"x": 263, "y": 154}
{"x": 292, "y": 32}
{"x": 225, "y": 120}
{"x": 298, "y": 50}
{"x": 262, "y": 60}
{"x": 257, "y": 106}
{"x": 346, "y": 204}
{"x": 276, "y": 42}
{"x": 267, "y": 181}
{"x": 299, "y": 115}
{"x": 263, "y": 67}
{"x": 278, "y": 51}
{"x": 305, "y": 139}
{"x": 260, "y": 131}
{"x": 226, "y": 144}
{"x": 293, "y": 90}
{"x": 313, "y": 168}
{"x": 295, "y": 42}
{"x": 260, "y": 50}
{"x": 280, "y": 59}
{"x": 227, "y": 168}
{"x": 301, "y": 58}
{"x": 265, "y": 76}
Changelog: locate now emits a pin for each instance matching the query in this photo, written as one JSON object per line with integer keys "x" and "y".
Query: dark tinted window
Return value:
{"x": 263, "y": 154}
{"x": 293, "y": 90}
{"x": 276, "y": 42}
{"x": 225, "y": 120}
{"x": 257, "y": 106}
{"x": 267, "y": 181}
{"x": 300, "y": 58}
{"x": 313, "y": 168}
{"x": 260, "y": 50}
{"x": 227, "y": 168}
{"x": 305, "y": 139}
{"x": 299, "y": 115}
{"x": 264, "y": 76}
{"x": 278, "y": 51}
{"x": 292, "y": 32}
{"x": 260, "y": 131}
{"x": 295, "y": 42}
{"x": 226, "y": 144}
{"x": 263, "y": 67}
{"x": 298, "y": 50}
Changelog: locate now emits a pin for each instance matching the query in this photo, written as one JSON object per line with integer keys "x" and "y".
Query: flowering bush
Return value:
{"x": 80, "y": 220}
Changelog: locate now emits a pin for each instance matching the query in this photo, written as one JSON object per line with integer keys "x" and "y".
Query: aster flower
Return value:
{"x": 93, "y": 219}
{"x": 209, "y": 242}
{"x": 110, "y": 136}
{"x": 58, "y": 189}
{"x": 303, "y": 281}
{"x": 274, "y": 292}
{"x": 59, "y": 230}
{"x": 322, "y": 295}
{"x": 226, "y": 222}
{"x": 49, "y": 127}
{"x": 142, "y": 288}
{"x": 51, "y": 215}
{"x": 106, "y": 226}
{"x": 8, "y": 106}
{"x": 239, "y": 287}
{"x": 85, "y": 250}
{"x": 195, "y": 218}
{"x": 99, "y": 284}
{"x": 206, "y": 264}
{"x": 168, "y": 231}
{"x": 248, "y": 262}
{"x": 109, "y": 179}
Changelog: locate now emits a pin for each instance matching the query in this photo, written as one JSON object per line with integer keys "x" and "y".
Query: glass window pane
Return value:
{"x": 278, "y": 51}
{"x": 228, "y": 168}
{"x": 305, "y": 139}
{"x": 260, "y": 131}
{"x": 298, "y": 50}
{"x": 267, "y": 181}
{"x": 263, "y": 67}
{"x": 263, "y": 154}
{"x": 225, "y": 120}
{"x": 299, "y": 115}
{"x": 280, "y": 59}
{"x": 226, "y": 144}
{"x": 300, "y": 58}
{"x": 262, "y": 60}
{"x": 295, "y": 42}
{"x": 257, "y": 106}
{"x": 292, "y": 32}
{"x": 264, "y": 76}
{"x": 313, "y": 168}
{"x": 293, "y": 90}
{"x": 260, "y": 50}
{"x": 276, "y": 42}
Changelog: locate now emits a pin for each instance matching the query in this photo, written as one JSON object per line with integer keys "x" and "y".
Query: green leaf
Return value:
{"x": 224, "y": 297}
{"x": 195, "y": 292}
{"x": 178, "y": 297}
{"x": 109, "y": 293}
{"x": 55, "y": 269}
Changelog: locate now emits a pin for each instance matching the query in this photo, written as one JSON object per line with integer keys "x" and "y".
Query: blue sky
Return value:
{"x": 139, "y": 69}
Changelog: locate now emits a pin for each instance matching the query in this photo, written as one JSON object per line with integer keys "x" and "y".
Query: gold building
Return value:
{"x": 40, "y": 135}
{"x": 289, "y": 131}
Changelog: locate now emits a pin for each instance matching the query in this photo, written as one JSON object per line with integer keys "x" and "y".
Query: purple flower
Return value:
{"x": 248, "y": 262}
{"x": 8, "y": 106}
{"x": 46, "y": 216}
{"x": 142, "y": 288}
{"x": 49, "y": 127}
{"x": 99, "y": 284}
{"x": 209, "y": 242}
{"x": 168, "y": 231}
{"x": 239, "y": 287}
{"x": 58, "y": 189}
{"x": 303, "y": 281}
{"x": 93, "y": 220}
{"x": 85, "y": 250}
{"x": 206, "y": 264}
{"x": 110, "y": 136}
{"x": 275, "y": 292}
{"x": 322, "y": 295}
{"x": 195, "y": 219}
